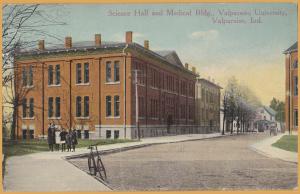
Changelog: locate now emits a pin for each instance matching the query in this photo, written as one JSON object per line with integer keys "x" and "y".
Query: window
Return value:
{"x": 108, "y": 106}
{"x": 57, "y": 107}
{"x": 117, "y": 71}
{"x": 31, "y": 111}
{"x": 86, "y": 134}
{"x": 30, "y": 78}
{"x": 24, "y": 107}
{"x": 141, "y": 106}
{"x": 108, "y": 134}
{"x": 78, "y": 132}
{"x": 202, "y": 94}
{"x": 116, "y": 134}
{"x": 295, "y": 85}
{"x": 295, "y": 64}
{"x": 78, "y": 106}
{"x": 117, "y": 106}
{"x": 57, "y": 74}
{"x": 24, "y": 133}
{"x": 296, "y": 118}
{"x": 86, "y": 106}
{"x": 78, "y": 73}
{"x": 183, "y": 111}
{"x": 86, "y": 73}
{"x": 50, "y": 107}
{"x": 108, "y": 71}
{"x": 31, "y": 134}
{"x": 24, "y": 76}
{"x": 50, "y": 75}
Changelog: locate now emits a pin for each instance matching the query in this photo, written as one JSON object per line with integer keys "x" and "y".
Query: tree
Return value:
{"x": 22, "y": 25}
{"x": 240, "y": 104}
{"x": 279, "y": 107}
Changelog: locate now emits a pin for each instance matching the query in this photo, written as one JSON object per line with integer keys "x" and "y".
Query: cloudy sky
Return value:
{"x": 252, "y": 52}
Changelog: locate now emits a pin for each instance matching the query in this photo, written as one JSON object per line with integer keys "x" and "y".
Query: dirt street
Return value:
{"x": 226, "y": 163}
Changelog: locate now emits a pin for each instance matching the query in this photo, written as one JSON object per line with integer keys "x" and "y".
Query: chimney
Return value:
{"x": 68, "y": 42}
{"x": 41, "y": 45}
{"x": 146, "y": 44}
{"x": 194, "y": 69}
{"x": 186, "y": 65}
{"x": 129, "y": 37}
{"x": 97, "y": 39}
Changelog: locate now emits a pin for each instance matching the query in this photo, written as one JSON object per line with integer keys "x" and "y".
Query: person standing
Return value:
{"x": 63, "y": 135}
{"x": 50, "y": 137}
{"x": 57, "y": 139}
{"x": 74, "y": 139}
{"x": 68, "y": 140}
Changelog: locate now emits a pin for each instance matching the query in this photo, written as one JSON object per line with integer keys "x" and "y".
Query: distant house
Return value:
{"x": 265, "y": 116}
{"x": 265, "y": 113}
{"x": 207, "y": 113}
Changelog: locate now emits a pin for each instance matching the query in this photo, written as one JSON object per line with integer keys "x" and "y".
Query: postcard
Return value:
{"x": 150, "y": 97}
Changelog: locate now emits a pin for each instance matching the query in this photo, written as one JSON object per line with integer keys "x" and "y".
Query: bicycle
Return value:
{"x": 96, "y": 167}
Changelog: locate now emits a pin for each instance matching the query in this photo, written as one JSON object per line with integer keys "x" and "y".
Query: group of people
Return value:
{"x": 61, "y": 138}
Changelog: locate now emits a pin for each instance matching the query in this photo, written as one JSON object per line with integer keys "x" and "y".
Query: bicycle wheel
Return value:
{"x": 101, "y": 169}
{"x": 92, "y": 165}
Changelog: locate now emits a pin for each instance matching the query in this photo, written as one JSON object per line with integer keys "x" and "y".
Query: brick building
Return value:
{"x": 90, "y": 86}
{"x": 207, "y": 114}
{"x": 291, "y": 87}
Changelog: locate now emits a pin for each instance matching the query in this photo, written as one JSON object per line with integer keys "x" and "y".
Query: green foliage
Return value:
{"x": 288, "y": 143}
{"x": 279, "y": 107}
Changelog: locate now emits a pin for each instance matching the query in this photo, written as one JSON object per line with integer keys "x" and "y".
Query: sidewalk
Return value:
{"x": 49, "y": 171}
{"x": 265, "y": 147}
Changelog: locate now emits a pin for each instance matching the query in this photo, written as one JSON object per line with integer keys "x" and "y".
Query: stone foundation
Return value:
{"x": 131, "y": 131}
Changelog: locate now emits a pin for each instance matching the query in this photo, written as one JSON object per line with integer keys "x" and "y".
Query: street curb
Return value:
{"x": 270, "y": 156}
{"x": 254, "y": 148}
{"x": 95, "y": 177}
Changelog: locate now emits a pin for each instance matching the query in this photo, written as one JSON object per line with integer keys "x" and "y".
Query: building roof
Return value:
{"x": 170, "y": 57}
{"x": 270, "y": 110}
{"x": 292, "y": 49}
{"x": 209, "y": 82}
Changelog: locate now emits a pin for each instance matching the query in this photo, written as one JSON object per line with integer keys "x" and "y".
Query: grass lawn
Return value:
{"x": 288, "y": 143}
{"x": 22, "y": 147}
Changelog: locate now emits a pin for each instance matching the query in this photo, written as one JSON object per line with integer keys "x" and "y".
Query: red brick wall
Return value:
{"x": 97, "y": 89}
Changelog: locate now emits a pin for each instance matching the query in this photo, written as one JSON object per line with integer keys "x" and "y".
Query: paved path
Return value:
{"x": 265, "y": 147}
{"x": 48, "y": 171}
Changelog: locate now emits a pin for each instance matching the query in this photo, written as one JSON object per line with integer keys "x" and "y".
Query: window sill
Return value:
{"x": 53, "y": 85}
{"x": 28, "y": 87}
{"x": 112, "y": 83}
{"x": 112, "y": 117}
{"x": 153, "y": 118}
{"x": 82, "y": 118}
{"x": 54, "y": 118}
{"x": 83, "y": 84}
{"x": 154, "y": 88}
{"x": 28, "y": 118}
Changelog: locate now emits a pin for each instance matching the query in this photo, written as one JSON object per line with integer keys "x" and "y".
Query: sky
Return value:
{"x": 252, "y": 52}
